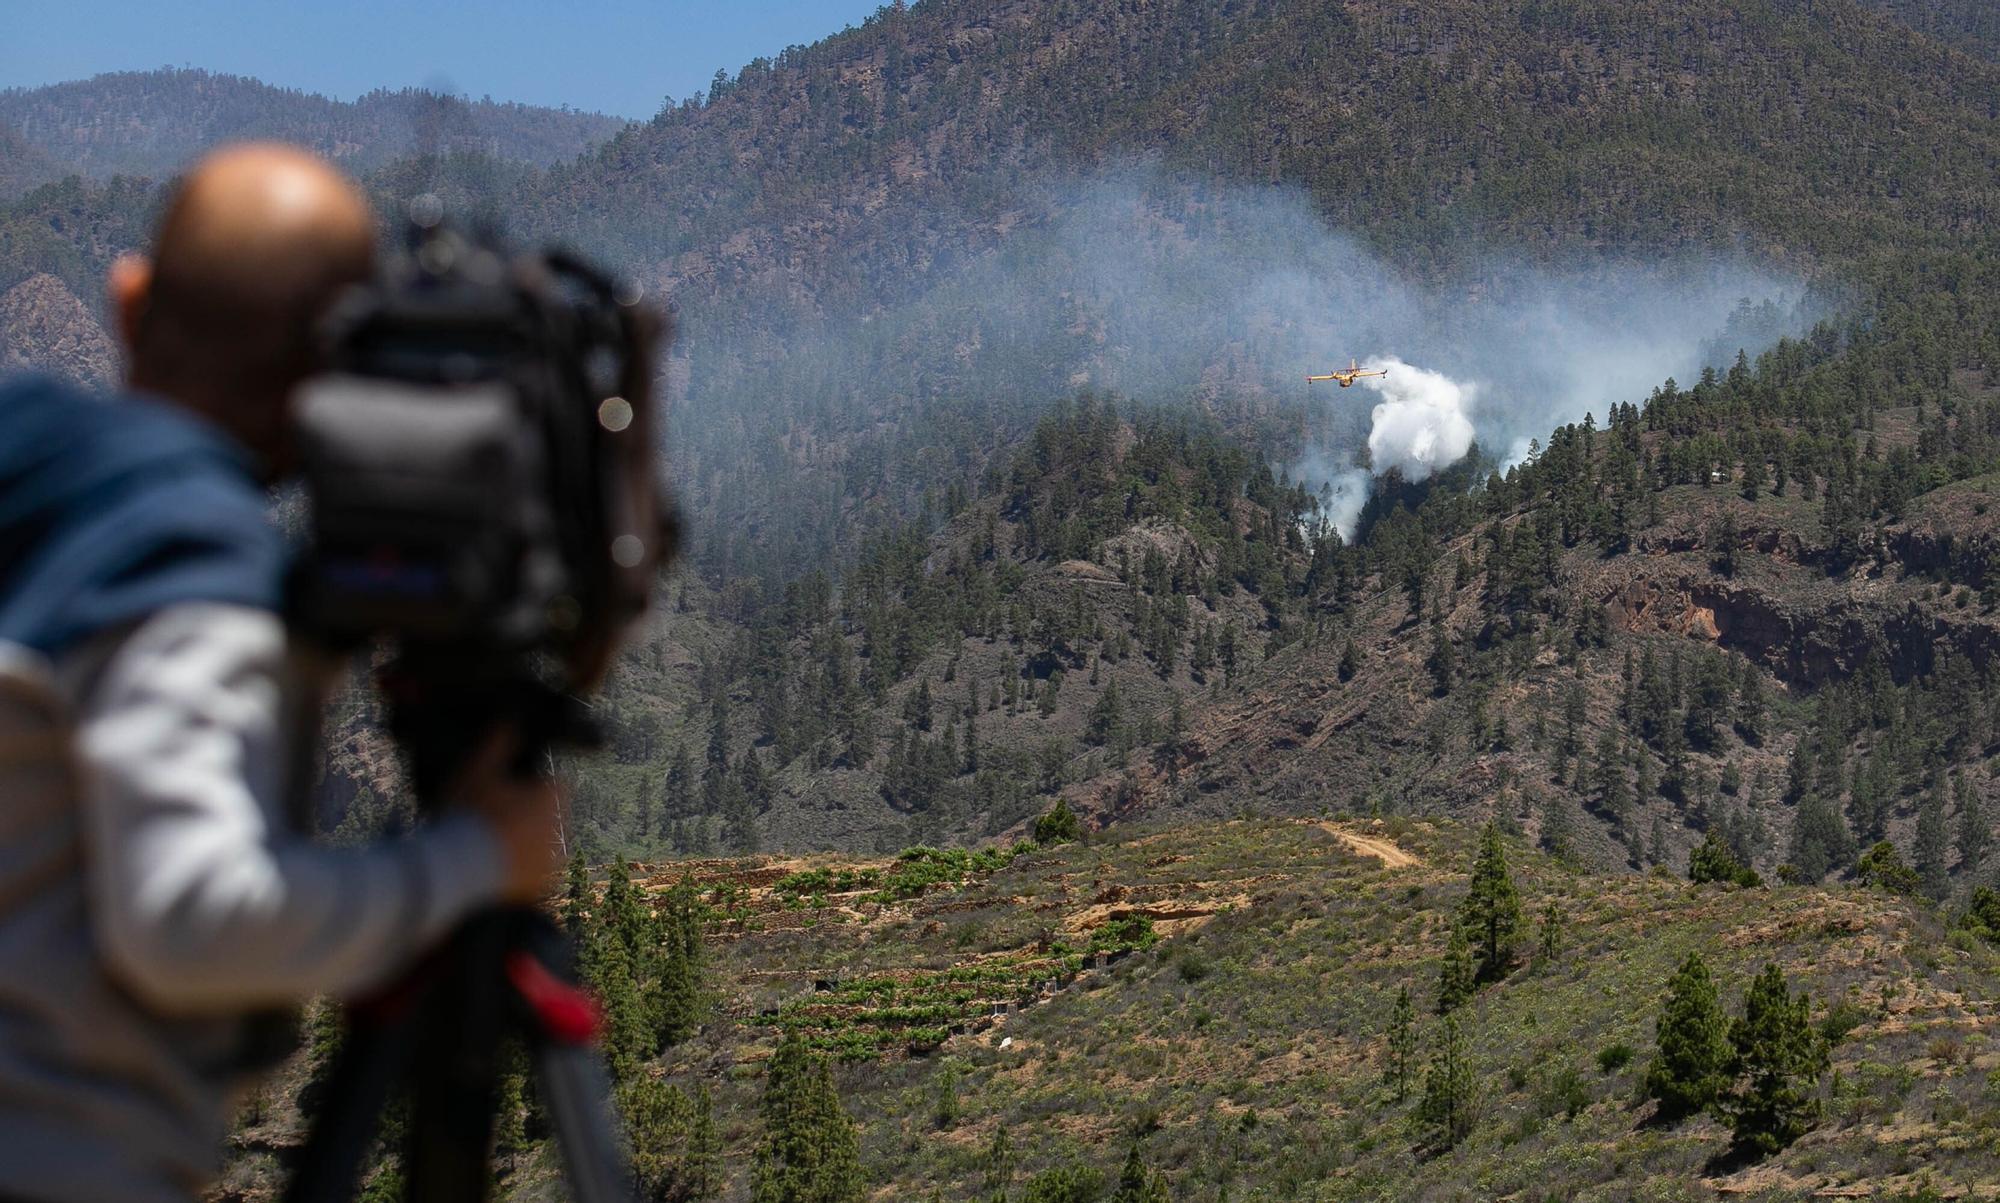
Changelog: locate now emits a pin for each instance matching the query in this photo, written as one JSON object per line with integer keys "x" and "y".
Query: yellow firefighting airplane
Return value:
{"x": 1347, "y": 378}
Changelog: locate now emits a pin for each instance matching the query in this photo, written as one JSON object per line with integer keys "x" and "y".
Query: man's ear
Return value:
{"x": 131, "y": 290}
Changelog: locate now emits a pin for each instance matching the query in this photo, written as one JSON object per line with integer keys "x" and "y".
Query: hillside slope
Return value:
{"x": 1732, "y": 611}
{"x": 1219, "y": 996}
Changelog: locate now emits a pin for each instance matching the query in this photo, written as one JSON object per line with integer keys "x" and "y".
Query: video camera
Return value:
{"x": 478, "y": 458}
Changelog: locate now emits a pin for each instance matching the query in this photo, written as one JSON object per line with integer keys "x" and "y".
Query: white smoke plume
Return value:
{"x": 1221, "y": 298}
{"x": 1342, "y": 497}
{"x": 1423, "y": 423}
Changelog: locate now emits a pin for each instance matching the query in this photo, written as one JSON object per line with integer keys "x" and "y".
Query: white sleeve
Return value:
{"x": 202, "y": 898}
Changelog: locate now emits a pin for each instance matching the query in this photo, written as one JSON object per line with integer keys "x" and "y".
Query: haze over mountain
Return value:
{"x": 152, "y": 123}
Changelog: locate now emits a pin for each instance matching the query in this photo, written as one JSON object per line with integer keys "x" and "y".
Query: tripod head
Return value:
{"x": 439, "y": 714}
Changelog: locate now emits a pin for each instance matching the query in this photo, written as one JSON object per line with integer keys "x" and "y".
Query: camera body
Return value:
{"x": 479, "y": 468}
{"x": 478, "y": 459}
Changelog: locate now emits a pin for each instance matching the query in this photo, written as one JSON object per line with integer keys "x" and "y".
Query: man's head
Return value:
{"x": 256, "y": 242}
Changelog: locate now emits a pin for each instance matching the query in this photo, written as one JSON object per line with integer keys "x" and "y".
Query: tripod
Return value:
{"x": 504, "y": 972}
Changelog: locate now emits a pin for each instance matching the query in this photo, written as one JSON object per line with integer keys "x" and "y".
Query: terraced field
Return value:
{"x": 965, "y": 978}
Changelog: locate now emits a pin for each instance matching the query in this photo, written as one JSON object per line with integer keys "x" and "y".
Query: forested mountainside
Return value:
{"x": 847, "y": 184}
{"x": 829, "y": 219}
{"x": 1969, "y": 25}
{"x": 1742, "y": 608}
{"x": 21, "y": 165}
{"x": 151, "y": 123}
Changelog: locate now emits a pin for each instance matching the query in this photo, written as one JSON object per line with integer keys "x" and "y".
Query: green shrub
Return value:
{"x": 1712, "y": 861}
{"x": 1133, "y": 932}
{"x": 1065, "y": 1184}
{"x": 1982, "y": 914}
{"x": 1840, "y": 1019}
{"x": 1614, "y": 1057}
{"x": 1059, "y": 825}
{"x": 1563, "y": 1093}
{"x": 1882, "y": 867}
{"x": 813, "y": 882}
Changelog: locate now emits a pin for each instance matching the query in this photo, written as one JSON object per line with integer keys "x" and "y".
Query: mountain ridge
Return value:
{"x": 153, "y": 123}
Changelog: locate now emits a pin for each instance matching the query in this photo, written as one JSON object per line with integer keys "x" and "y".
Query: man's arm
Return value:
{"x": 201, "y": 898}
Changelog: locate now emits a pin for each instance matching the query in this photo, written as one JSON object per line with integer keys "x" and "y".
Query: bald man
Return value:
{"x": 157, "y": 900}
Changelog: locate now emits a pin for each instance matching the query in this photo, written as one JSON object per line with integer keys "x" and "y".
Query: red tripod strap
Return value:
{"x": 567, "y": 1013}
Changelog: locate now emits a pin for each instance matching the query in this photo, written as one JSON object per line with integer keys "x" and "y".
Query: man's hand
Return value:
{"x": 523, "y": 812}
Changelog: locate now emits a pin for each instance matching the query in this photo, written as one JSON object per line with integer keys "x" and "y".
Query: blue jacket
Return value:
{"x": 113, "y": 508}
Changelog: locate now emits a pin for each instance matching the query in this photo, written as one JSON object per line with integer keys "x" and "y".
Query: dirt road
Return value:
{"x": 1391, "y": 856}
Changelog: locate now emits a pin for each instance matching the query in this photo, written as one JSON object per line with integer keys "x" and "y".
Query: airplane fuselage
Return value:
{"x": 1346, "y": 379}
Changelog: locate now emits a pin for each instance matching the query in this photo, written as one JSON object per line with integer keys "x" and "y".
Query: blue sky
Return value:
{"x": 616, "y": 56}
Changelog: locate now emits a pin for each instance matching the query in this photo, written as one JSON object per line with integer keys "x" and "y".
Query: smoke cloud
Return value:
{"x": 1422, "y": 424}
{"x": 1224, "y": 298}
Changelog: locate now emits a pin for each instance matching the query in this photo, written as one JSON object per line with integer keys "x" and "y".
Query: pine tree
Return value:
{"x": 1132, "y": 1179}
{"x": 1492, "y": 909}
{"x": 678, "y": 793}
{"x": 1777, "y": 1062}
{"x": 1973, "y": 833}
{"x": 1712, "y": 860}
{"x": 702, "y": 1166}
{"x": 1550, "y": 944}
{"x": 1868, "y": 800}
{"x": 1882, "y": 867}
{"x": 1442, "y": 662}
{"x": 1350, "y": 661}
{"x": 1447, "y": 1107}
{"x": 628, "y": 1031}
{"x": 739, "y": 818}
{"x": 1820, "y": 839}
{"x": 1402, "y": 1060}
{"x": 1107, "y": 718}
{"x": 1933, "y": 845}
{"x": 809, "y": 1152}
{"x": 661, "y": 1125}
{"x": 1557, "y": 826}
{"x": 1692, "y": 1035}
{"x": 1455, "y": 980}
{"x": 917, "y": 710}
{"x": 512, "y": 1107}
{"x": 681, "y": 994}
{"x": 1137, "y": 1185}
{"x": 997, "y": 1163}
{"x": 577, "y": 899}
{"x": 622, "y": 915}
